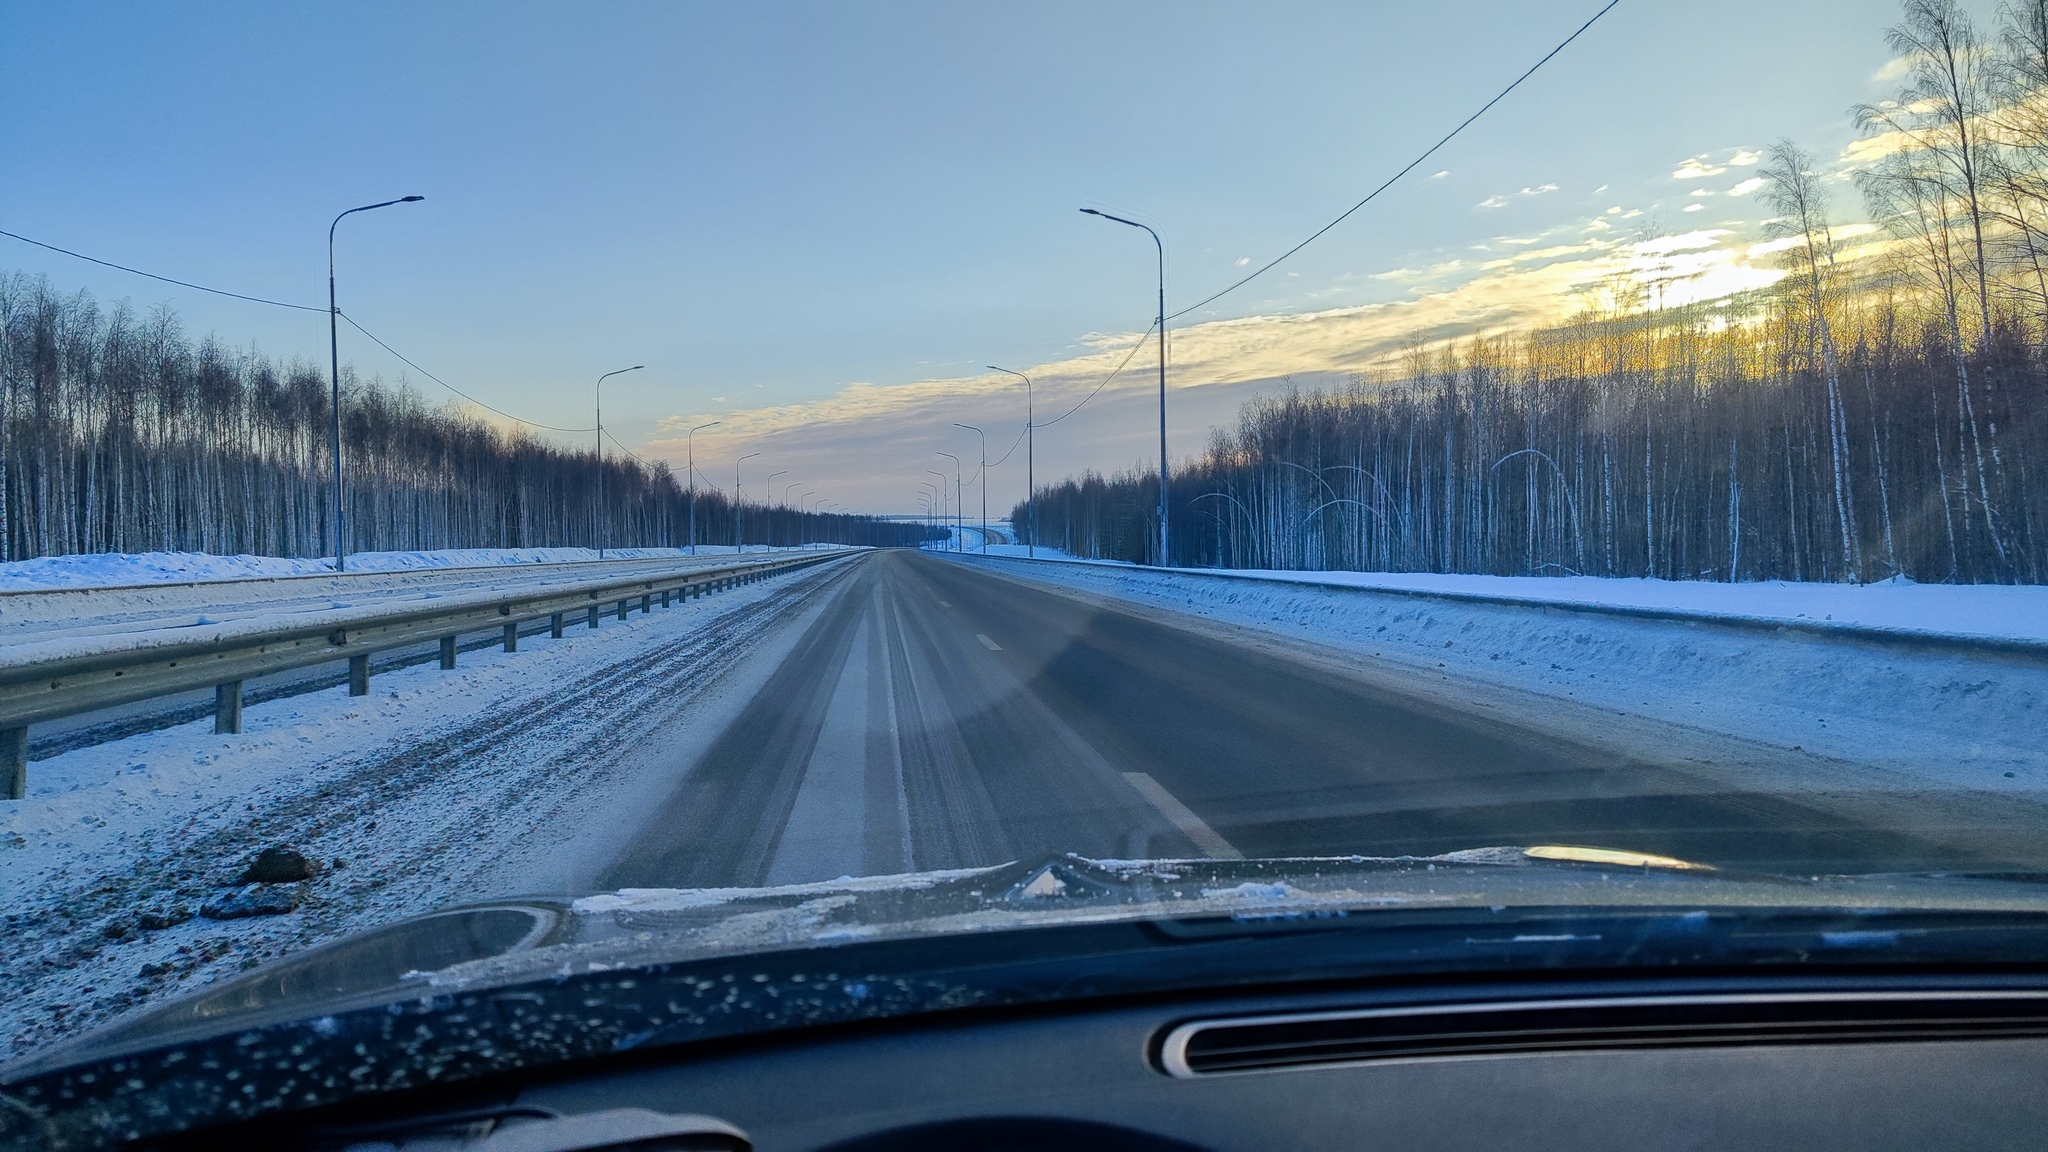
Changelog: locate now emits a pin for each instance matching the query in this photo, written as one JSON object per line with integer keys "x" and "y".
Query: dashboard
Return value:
{"x": 1806, "y": 1064}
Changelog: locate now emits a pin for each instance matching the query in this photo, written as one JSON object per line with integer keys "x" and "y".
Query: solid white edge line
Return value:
{"x": 1181, "y": 817}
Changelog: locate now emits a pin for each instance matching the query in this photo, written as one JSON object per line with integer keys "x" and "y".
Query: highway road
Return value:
{"x": 936, "y": 715}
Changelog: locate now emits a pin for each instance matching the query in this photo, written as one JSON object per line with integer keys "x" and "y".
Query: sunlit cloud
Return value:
{"x": 865, "y": 432}
{"x": 1692, "y": 207}
{"x": 1743, "y": 158}
{"x": 1747, "y": 186}
{"x": 1440, "y": 174}
{"x": 1696, "y": 167}
{"x": 1500, "y": 199}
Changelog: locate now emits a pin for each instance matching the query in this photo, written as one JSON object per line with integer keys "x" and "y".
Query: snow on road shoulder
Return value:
{"x": 1953, "y": 716}
{"x": 411, "y": 797}
{"x": 2000, "y": 611}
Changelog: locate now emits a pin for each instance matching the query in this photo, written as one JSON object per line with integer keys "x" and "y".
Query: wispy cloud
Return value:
{"x": 863, "y": 433}
{"x": 1501, "y": 199}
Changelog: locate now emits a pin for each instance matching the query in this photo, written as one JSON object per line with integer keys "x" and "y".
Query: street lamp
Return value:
{"x": 739, "y": 541}
{"x": 690, "y": 449}
{"x": 600, "y": 452}
{"x": 984, "y": 484}
{"x": 1030, "y": 445}
{"x": 804, "y": 516}
{"x": 956, "y": 497}
{"x": 771, "y": 500}
{"x": 930, "y": 504}
{"x": 334, "y": 363}
{"x": 942, "y": 494}
{"x": 1165, "y": 559}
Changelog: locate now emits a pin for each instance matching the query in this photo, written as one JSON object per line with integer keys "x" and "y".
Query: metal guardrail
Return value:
{"x": 50, "y": 679}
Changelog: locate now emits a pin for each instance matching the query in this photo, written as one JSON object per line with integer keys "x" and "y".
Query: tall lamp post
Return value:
{"x": 804, "y": 516}
{"x": 941, "y": 501}
{"x": 1030, "y": 445}
{"x": 334, "y": 377}
{"x": 957, "y": 503}
{"x": 739, "y": 540}
{"x": 770, "y": 486}
{"x": 984, "y": 483}
{"x": 600, "y": 452}
{"x": 690, "y": 450}
{"x": 930, "y": 503}
{"x": 1165, "y": 558}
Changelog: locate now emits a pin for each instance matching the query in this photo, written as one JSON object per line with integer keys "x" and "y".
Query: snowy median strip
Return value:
{"x": 48, "y": 679}
{"x": 1947, "y": 684}
{"x": 136, "y": 869}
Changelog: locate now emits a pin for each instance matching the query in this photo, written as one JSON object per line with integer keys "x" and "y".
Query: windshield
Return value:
{"x": 1466, "y": 495}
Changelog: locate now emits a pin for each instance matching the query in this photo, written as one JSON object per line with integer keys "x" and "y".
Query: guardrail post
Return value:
{"x": 664, "y": 597}
{"x": 359, "y": 673}
{"x": 227, "y": 708}
{"x": 512, "y": 636}
{"x": 13, "y": 763}
{"x": 622, "y": 609}
{"x": 646, "y": 605}
{"x": 447, "y": 653}
{"x": 593, "y": 617}
{"x": 555, "y": 626}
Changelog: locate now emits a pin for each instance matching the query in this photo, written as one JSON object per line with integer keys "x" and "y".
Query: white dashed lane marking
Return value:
{"x": 1182, "y": 817}
{"x": 988, "y": 643}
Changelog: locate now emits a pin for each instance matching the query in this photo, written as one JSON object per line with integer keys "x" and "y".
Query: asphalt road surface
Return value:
{"x": 935, "y": 715}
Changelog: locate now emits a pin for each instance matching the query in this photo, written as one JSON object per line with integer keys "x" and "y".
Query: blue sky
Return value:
{"x": 818, "y": 221}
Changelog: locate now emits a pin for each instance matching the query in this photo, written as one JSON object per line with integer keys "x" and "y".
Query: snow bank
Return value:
{"x": 419, "y": 794}
{"x": 1959, "y": 713}
{"x": 116, "y": 569}
{"x": 1985, "y": 611}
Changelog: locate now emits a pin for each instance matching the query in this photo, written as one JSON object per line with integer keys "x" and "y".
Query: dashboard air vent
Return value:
{"x": 1442, "y": 1031}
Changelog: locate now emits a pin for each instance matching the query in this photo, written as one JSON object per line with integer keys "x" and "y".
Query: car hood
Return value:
{"x": 512, "y": 942}
{"x": 491, "y": 988}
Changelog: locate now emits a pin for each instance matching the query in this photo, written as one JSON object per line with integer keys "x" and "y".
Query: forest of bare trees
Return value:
{"x": 120, "y": 434}
{"x": 1855, "y": 422}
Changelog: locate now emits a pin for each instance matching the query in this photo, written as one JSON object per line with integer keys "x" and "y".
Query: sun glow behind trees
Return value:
{"x": 1855, "y": 420}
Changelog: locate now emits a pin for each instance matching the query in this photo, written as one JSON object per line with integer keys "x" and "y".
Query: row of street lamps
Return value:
{"x": 339, "y": 517}
{"x": 1031, "y": 425}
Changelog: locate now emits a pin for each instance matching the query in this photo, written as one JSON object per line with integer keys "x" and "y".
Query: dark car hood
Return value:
{"x": 512, "y": 942}
{"x": 515, "y": 985}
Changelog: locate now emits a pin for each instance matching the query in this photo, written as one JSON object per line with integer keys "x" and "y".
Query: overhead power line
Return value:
{"x": 296, "y": 307}
{"x": 1410, "y": 167}
{"x": 452, "y": 388}
{"x": 165, "y": 279}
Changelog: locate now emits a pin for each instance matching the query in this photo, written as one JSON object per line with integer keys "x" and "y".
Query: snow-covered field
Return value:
{"x": 95, "y": 595}
{"x": 112, "y": 570}
{"x": 1958, "y": 715}
{"x": 437, "y": 787}
{"x": 1990, "y": 611}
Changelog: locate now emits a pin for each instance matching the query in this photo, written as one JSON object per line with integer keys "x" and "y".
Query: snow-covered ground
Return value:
{"x": 1992, "y": 611}
{"x": 1957, "y": 715}
{"x": 196, "y": 590}
{"x": 110, "y": 570}
{"x": 437, "y": 787}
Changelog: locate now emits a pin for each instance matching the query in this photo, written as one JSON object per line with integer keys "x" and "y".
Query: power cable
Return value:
{"x": 296, "y": 307}
{"x": 165, "y": 279}
{"x": 1153, "y": 327}
{"x": 1411, "y": 166}
{"x": 452, "y": 388}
